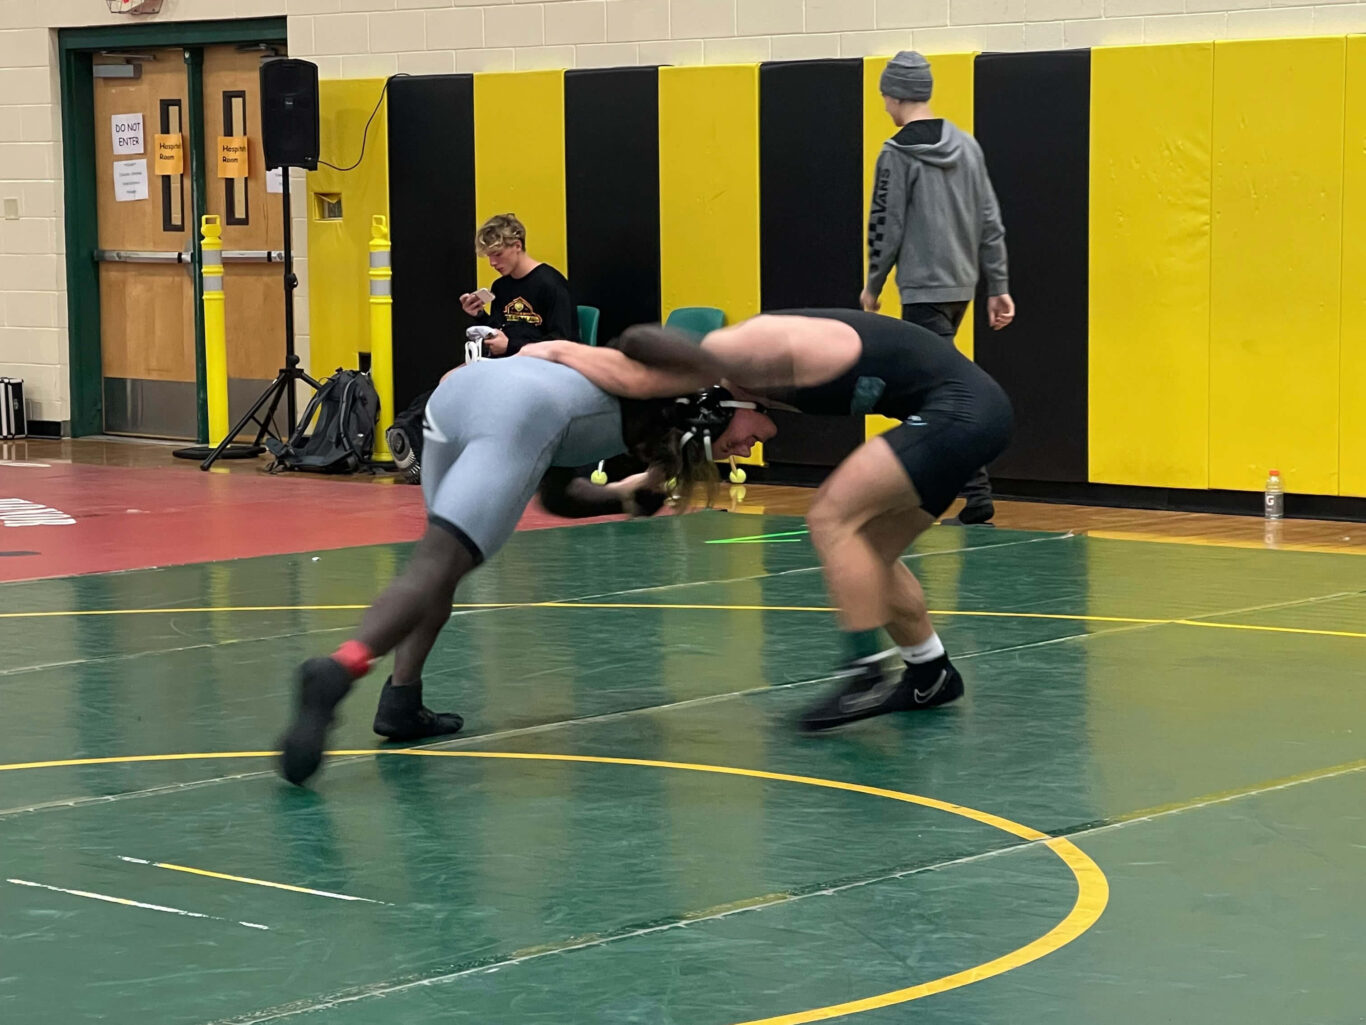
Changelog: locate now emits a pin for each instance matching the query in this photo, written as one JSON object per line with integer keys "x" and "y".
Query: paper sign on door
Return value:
{"x": 130, "y": 180}
{"x": 232, "y": 156}
{"x": 126, "y": 130}
{"x": 170, "y": 150}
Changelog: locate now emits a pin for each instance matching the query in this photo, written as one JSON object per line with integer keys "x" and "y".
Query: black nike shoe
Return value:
{"x": 405, "y": 459}
{"x": 928, "y": 684}
{"x": 867, "y": 689}
{"x": 402, "y": 716}
{"x": 871, "y": 688}
{"x": 322, "y": 684}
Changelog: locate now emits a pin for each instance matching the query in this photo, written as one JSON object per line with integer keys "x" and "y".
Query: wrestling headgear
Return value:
{"x": 705, "y": 415}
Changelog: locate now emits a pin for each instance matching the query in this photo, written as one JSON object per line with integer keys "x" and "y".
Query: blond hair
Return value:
{"x": 499, "y": 232}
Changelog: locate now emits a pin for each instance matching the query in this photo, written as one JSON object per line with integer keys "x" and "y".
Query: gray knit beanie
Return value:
{"x": 908, "y": 77}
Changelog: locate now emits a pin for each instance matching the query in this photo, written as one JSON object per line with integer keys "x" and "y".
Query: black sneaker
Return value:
{"x": 405, "y": 459}
{"x": 322, "y": 684}
{"x": 402, "y": 715}
{"x": 868, "y": 689}
{"x": 977, "y": 514}
{"x": 871, "y": 688}
{"x": 928, "y": 684}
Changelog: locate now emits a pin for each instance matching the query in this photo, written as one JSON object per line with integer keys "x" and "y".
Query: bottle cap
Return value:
{"x": 1275, "y": 473}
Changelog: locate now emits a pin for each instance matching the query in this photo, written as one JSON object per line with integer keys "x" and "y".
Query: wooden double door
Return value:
{"x": 149, "y": 208}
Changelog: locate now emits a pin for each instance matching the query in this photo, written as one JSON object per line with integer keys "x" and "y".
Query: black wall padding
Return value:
{"x": 1032, "y": 119}
{"x": 811, "y": 218}
{"x": 807, "y": 440}
{"x": 432, "y": 225}
{"x": 611, "y": 156}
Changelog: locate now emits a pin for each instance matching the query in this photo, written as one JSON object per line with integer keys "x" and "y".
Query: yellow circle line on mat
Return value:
{"x": 1093, "y": 890}
{"x": 1056, "y": 616}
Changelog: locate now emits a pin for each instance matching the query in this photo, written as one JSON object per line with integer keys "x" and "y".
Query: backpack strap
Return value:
{"x": 347, "y": 401}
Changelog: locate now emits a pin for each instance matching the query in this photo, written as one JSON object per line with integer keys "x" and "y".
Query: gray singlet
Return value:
{"x": 492, "y": 430}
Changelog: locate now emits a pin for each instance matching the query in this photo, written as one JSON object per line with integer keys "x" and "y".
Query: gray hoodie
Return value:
{"x": 934, "y": 215}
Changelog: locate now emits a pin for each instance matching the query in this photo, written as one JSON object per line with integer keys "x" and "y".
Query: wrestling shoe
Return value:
{"x": 402, "y": 716}
{"x": 871, "y": 688}
{"x": 974, "y": 514}
{"x": 927, "y": 684}
{"x": 322, "y": 684}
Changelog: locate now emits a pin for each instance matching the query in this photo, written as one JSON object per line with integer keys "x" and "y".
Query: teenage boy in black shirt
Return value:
{"x": 531, "y": 303}
{"x": 531, "y": 300}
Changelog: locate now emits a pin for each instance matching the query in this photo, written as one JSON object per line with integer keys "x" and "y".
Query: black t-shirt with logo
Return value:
{"x": 534, "y": 308}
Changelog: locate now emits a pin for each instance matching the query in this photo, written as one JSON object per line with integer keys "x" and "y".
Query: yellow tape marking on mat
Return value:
{"x": 1093, "y": 890}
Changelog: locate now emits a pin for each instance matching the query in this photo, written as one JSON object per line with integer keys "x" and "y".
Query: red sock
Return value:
{"x": 355, "y": 658}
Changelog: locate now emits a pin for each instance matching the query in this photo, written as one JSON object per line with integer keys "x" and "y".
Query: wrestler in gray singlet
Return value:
{"x": 492, "y": 430}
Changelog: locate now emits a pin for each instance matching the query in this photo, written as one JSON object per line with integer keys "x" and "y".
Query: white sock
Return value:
{"x": 914, "y": 654}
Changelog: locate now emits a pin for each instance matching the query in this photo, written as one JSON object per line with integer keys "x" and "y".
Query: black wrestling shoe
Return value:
{"x": 402, "y": 715}
{"x": 977, "y": 514}
{"x": 322, "y": 684}
{"x": 871, "y": 688}
{"x": 928, "y": 684}
{"x": 868, "y": 689}
{"x": 404, "y": 457}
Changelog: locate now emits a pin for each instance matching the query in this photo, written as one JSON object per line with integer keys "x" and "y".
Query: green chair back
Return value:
{"x": 697, "y": 320}
{"x": 588, "y": 324}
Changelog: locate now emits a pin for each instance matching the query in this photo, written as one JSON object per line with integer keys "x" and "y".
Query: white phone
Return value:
{"x": 485, "y": 296}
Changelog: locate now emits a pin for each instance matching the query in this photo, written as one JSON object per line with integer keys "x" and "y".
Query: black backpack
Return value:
{"x": 346, "y": 409}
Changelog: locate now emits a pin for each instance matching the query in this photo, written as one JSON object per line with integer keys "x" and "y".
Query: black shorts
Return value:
{"x": 962, "y": 427}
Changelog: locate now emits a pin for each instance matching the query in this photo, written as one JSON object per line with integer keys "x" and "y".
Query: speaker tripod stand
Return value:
{"x": 282, "y": 388}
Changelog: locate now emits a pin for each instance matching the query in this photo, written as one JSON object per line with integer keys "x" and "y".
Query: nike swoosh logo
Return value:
{"x": 923, "y": 696}
{"x": 874, "y": 695}
{"x": 429, "y": 429}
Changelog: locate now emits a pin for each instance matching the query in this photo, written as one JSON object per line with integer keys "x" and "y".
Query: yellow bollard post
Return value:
{"x": 382, "y": 329}
{"x": 215, "y": 327}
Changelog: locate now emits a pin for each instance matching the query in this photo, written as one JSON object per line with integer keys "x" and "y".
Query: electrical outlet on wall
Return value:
{"x": 11, "y": 208}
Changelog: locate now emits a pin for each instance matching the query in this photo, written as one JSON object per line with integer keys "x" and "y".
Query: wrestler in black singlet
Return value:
{"x": 955, "y": 418}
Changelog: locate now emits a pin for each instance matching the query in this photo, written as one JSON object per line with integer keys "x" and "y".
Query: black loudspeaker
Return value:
{"x": 289, "y": 113}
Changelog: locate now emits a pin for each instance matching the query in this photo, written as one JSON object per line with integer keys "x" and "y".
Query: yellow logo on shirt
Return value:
{"x": 521, "y": 312}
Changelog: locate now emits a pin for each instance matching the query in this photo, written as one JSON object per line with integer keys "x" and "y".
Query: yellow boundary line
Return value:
{"x": 675, "y": 607}
{"x": 1093, "y": 889}
{"x": 1321, "y": 548}
{"x": 249, "y": 880}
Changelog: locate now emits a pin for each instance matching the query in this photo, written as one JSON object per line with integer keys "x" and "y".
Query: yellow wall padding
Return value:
{"x": 1276, "y": 294}
{"x": 952, "y": 99}
{"x": 1150, "y": 264}
{"x": 519, "y": 159}
{"x": 339, "y": 250}
{"x": 1352, "y": 441}
{"x": 709, "y": 188}
{"x": 709, "y": 192}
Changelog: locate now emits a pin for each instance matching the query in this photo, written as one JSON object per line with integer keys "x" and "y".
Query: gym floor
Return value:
{"x": 1148, "y": 808}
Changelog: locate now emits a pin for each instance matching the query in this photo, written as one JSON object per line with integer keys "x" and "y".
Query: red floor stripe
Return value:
{"x": 139, "y": 518}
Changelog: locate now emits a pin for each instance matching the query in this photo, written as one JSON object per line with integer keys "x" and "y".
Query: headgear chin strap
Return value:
{"x": 707, "y": 413}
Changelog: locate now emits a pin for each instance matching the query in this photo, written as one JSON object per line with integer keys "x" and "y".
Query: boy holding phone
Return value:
{"x": 530, "y": 301}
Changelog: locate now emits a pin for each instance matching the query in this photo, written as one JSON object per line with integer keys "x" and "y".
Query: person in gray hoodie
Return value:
{"x": 935, "y": 218}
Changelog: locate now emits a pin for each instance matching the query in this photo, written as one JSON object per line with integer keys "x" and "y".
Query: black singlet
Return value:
{"x": 901, "y": 368}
